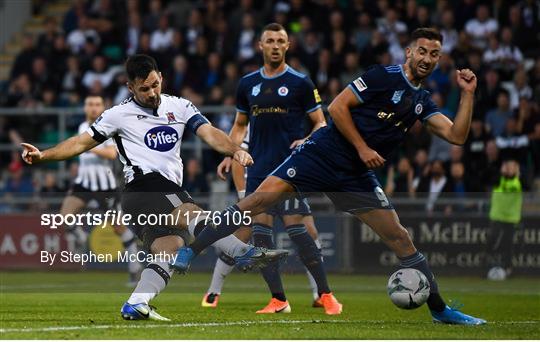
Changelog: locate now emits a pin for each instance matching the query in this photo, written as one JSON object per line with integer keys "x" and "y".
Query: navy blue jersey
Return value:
{"x": 277, "y": 108}
{"x": 389, "y": 106}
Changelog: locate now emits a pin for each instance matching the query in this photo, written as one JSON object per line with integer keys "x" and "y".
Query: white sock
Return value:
{"x": 221, "y": 271}
{"x": 130, "y": 245}
{"x": 229, "y": 245}
{"x": 312, "y": 285}
{"x": 154, "y": 279}
{"x": 232, "y": 246}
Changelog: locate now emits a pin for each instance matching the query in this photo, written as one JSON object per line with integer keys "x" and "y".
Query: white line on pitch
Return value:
{"x": 216, "y": 324}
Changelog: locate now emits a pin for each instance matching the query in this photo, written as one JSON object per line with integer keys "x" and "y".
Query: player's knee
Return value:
{"x": 166, "y": 244}
{"x": 400, "y": 236}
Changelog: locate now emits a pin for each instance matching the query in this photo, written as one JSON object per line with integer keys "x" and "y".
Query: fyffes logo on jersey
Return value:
{"x": 161, "y": 138}
{"x": 283, "y": 91}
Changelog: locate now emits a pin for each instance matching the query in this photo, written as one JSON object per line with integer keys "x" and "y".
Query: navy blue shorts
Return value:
{"x": 293, "y": 206}
{"x": 312, "y": 168}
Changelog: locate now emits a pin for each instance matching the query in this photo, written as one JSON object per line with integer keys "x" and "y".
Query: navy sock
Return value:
{"x": 213, "y": 232}
{"x": 419, "y": 262}
{"x": 263, "y": 237}
{"x": 310, "y": 255}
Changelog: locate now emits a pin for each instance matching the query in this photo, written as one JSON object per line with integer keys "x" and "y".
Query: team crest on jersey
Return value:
{"x": 397, "y": 96}
{"x": 256, "y": 90}
{"x": 283, "y": 91}
{"x": 291, "y": 172}
{"x": 418, "y": 109}
{"x": 170, "y": 117}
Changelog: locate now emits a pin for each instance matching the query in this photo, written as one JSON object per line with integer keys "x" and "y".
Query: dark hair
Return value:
{"x": 428, "y": 33}
{"x": 273, "y": 27}
{"x": 139, "y": 66}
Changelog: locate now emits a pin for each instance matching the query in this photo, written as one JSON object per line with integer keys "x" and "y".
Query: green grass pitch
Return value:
{"x": 86, "y": 305}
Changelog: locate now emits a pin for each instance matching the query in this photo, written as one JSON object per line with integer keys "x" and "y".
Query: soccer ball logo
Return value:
{"x": 408, "y": 288}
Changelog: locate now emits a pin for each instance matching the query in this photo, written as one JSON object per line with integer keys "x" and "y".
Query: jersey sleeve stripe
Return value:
{"x": 430, "y": 115}
{"x": 356, "y": 93}
{"x": 313, "y": 109}
{"x": 195, "y": 122}
{"x": 241, "y": 110}
{"x": 96, "y": 135}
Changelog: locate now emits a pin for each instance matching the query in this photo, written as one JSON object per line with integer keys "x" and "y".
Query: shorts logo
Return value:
{"x": 291, "y": 172}
{"x": 161, "y": 138}
{"x": 256, "y": 90}
{"x": 360, "y": 84}
{"x": 283, "y": 91}
{"x": 418, "y": 109}
{"x": 397, "y": 96}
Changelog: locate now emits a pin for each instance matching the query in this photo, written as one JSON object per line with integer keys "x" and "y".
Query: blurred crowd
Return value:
{"x": 203, "y": 47}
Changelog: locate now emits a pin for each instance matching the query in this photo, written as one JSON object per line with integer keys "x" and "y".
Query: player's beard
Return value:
{"x": 412, "y": 68}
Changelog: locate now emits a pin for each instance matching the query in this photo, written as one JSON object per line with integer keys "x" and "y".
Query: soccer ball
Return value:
{"x": 408, "y": 288}
{"x": 496, "y": 273}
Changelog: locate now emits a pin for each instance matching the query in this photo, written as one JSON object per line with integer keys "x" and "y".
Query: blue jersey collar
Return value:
{"x": 261, "y": 70}
{"x": 406, "y": 79}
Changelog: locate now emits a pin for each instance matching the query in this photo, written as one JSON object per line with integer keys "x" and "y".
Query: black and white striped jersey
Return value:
{"x": 149, "y": 140}
{"x": 95, "y": 173}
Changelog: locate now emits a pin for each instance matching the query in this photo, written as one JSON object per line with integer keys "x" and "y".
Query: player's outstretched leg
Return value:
{"x": 271, "y": 191}
{"x": 154, "y": 279}
{"x": 386, "y": 224}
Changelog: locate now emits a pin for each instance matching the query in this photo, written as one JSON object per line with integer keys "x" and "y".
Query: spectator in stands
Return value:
{"x": 487, "y": 93}
{"x": 390, "y": 26}
{"x": 362, "y": 32}
{"x": 508, "y": 54}
{"x": 246, "y": 39}
{"x": 474, "y": 155}
{"x": 72, "y": 80}
{"x": 20, "y": 93}
{"x": 194, "y": 180}
{"x": 78, "y": 37}
{"x": 17, "y": 182}
{"x": 459, "y": 185}
{"x": 151, "y": 19}
{"x": 162, "y": 38}
{"x": 194, "y": 29}
{"x": 23, "y": 61}
{"x": 8, "y": 135}
{"x": 100, "y": 73}
{"x": 133, "y": 32}
{"x": 352, "y": 69}
{"x": 448, "y": 31}
{"x": 481, "y": 27}
{"x": 433, "y": 186}
{"x": 519, "y": 89}
{"x": 399, "y": 181}
{"x": 512, "y": 144}
{"x": 496, "y": 118}
{"x": 45, "y": 41}
{"x": 493, "y": 163}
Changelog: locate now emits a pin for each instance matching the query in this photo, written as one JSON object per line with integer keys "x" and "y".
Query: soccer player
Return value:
{"x": 274, "y": 101}
{"x": 224, "y": 265}
{"x": 147, "y": 129}
{"x": 369, "y": 119}
{"x": 95, "y": 181}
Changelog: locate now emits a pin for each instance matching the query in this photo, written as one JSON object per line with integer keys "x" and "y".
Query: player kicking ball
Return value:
{"x": 369, "y": 119}
{"x": 147, "y": 129}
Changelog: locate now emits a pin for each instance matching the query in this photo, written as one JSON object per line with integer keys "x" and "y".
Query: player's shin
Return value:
{"x": 216, "y": 230}
{"x": 419, "y": 262}
{"x": 310, "y": 255}
{"x": 263, "y": 237}
{"x": 154, "y": 278}
{"x": 224, "y": 266}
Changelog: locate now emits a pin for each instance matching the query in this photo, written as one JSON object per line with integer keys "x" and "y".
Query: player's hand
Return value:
{"x": 466, "y": 80}
{"x": 31, "y": 154}
{"x": 224, "y": 167}
{"x": 371, "y": 158}
{"x": 297, "y": 143}
{"x": 243, "y": 158}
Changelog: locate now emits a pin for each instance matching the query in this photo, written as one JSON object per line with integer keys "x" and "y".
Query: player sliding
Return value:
{"x": 147, "y": 129}
{"x": 275, "y": 101}
{"x": 369, "y": 119}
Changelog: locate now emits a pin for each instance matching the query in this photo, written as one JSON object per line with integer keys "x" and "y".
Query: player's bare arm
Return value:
{"x": 456, "y": 132}
{"x": 222, "y": 143}
{"x": 317, "y": 121}
{"x": 107, "y": 152}
{"x": 340, "y": 112}
{"x": 237, "y": 134}
{"x": 66, "y": 149}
